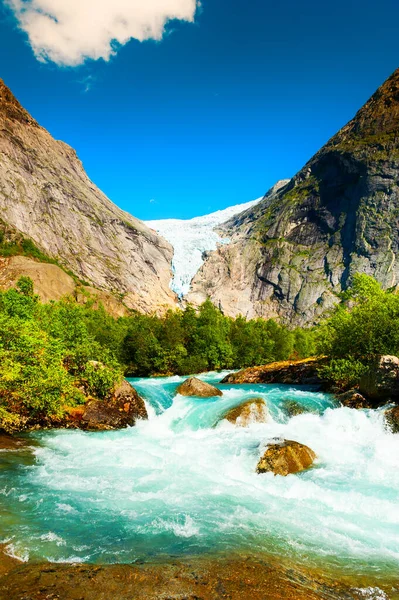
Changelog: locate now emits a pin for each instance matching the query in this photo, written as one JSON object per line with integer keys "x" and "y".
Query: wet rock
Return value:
{"x": 195, "y": 387}
{"x": 381, "y": 382}
{"x": 202, "y": 578}
{"x": 353, "y": 399}
{"x": 392, "y": 419}
{"x": 252, "y": 411}
{"x": 9, "y": 442}
{"x": 121, "y": 410}
{"x": 285, "y": 457}
{"x": 293, "y": 408}
{"x": 292, "y": 372}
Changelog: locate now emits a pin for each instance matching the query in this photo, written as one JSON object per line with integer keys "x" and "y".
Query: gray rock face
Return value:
{"x": 295, "y": 251}
{"x": 46, "y": 194}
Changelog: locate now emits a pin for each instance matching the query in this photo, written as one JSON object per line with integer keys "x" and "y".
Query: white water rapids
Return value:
{"x": 184, "y": 482}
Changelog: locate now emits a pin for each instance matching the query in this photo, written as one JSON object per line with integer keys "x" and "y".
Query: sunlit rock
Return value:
{"x": 195, "y": 387}
{"x": 285, "y": 457}
{"x": 121, "y": 410}
{"x": 252, "y": 411}
{"x": 301, "y": 372}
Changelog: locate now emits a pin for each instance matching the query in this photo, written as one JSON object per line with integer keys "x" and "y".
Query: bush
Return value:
{"x": 343, "y": 372}
{"x": 99, "y": 379}
{"x": 46, "y": 354}
{"x": 365, "y": 325}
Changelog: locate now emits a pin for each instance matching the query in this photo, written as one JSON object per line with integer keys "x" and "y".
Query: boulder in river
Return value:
{"x": 294, "y": 408}
{"x": 381, "y": 382}
{"x": 284, "y": 457}
{"x": 252, "y": 411}
{"x": 121, "y": 410}
{"x": 304, "y": 371}
{"x": 195, "y": 387}
{"x": 353, "y": 399}
{"x": 392, "y": 419}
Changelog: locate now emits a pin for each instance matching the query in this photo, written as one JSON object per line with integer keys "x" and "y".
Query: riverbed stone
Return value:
{"x": 353, "y": 399}
{"x": 195, "y": 387}
{"x": 392, "y": 419}
{"x": 284, "y": 457}
{"x": 301, "y": 372}
{"x": 121, "y": 410}
{"x": 253, "y": 410}
{"x": 293, "y": 408}
{"x": 197, "y": 577}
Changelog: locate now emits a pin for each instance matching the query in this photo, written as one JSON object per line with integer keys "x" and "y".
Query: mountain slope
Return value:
{"x": 297, "y": 249}
{"x": 46, "y": 194}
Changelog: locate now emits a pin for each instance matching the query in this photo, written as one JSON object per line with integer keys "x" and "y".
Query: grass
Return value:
{"x": 21, "y": 246}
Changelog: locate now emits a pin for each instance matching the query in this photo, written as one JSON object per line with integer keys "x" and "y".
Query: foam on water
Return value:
{"x": 185, "y": 482}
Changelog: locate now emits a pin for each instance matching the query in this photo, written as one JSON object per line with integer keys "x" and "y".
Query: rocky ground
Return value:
{"x": 204, "y": 578}
{"x": 300, "y": 372}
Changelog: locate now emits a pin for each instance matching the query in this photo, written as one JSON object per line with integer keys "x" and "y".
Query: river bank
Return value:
{"x": 194, "y": 578}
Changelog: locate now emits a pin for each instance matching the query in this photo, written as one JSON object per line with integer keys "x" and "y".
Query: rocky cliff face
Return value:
{"x": 294, "y": 252}
{"x": 46, "y": 194}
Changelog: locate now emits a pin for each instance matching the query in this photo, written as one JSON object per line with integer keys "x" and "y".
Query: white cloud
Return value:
{"x": 68, "y": 32}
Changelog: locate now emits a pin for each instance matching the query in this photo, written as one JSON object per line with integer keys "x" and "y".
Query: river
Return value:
{"x": 185, "y": 483}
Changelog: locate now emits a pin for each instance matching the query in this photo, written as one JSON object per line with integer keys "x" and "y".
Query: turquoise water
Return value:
{"x": 184, "y": 482}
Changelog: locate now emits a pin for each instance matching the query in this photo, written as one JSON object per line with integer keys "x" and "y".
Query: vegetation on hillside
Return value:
{"x": 13, "y": 243}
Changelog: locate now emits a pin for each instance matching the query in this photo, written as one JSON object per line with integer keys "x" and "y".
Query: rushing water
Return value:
{"x": 184, "y": 482}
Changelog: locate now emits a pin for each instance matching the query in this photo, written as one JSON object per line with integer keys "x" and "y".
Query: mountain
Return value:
{"x": 294, "y": 252}
{"x": 192, "y": 239}
{"x": 46, "y": 195}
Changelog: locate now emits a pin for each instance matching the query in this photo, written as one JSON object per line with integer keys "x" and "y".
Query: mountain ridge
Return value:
{"x": 46, "y": 195}
{"x": 299, "y": 248}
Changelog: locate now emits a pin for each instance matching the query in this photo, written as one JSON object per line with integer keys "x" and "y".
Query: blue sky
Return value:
{"x": 218, "y": 110}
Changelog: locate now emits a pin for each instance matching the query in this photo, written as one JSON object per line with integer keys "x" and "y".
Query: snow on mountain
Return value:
{"x": 190, "y": 239}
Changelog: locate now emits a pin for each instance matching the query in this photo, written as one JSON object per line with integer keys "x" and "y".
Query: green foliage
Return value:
{"x": 343, "y": 372}
{"x": 10, "y": 422}
{"x": 99, "y": 379}
{"x": 25, "y": 286}
{"x": 21, "y": 246}
{"x": 46, "y": 357}
{"x": 366, "y": 324}
{"x": 57, "y": 354}
{"x": 189, "y": 341}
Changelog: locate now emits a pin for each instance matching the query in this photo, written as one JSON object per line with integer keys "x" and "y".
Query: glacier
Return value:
{"x": 190, "y": 238}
